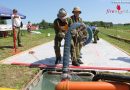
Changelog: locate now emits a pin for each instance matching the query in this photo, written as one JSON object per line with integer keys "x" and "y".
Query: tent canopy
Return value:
{"x": 5, "y": 13}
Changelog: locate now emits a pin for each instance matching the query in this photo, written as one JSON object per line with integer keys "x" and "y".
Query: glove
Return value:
{"x": 73, "y": 32}
{"x": 80, "y": 33}
{"x": 61, "y": 35}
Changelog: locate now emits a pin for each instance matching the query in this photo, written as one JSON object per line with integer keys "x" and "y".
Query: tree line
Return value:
{"x": 44, "y": 24}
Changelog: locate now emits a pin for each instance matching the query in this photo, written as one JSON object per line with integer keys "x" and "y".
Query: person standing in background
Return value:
{"x": 95, "y": 33}
{"x": 16, "y": 24}
{"x": 29, "y": 26}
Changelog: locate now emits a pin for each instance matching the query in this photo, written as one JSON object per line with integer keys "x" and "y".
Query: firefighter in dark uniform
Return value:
{"x": 77, "y": 34}
{"x": 61, "y": 24}
{"x": 95, "y": 33}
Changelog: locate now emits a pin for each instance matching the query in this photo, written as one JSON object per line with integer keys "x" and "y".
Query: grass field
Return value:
{"x": 119, "y": 27}
{"x": 120, "y": 31}
{"x": 28, "y": 40}
{"x": 17, "y": 76}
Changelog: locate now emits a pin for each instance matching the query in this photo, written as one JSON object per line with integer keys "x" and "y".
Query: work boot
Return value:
{"x": 58, "y": 60}
{"x": 20, "y": 45}
{"x": 80, "y": 56}
{"x": 97, "y": 38}
{"x": 94, "y": 42}
{"x": 79, "y": 61}
{"x": 75, "y": 63}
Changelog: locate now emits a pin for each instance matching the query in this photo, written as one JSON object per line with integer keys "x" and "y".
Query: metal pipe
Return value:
{"x": 109, "y": 77}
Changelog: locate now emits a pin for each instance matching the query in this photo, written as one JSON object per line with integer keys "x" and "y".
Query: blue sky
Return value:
{"x": 92, "y": 10}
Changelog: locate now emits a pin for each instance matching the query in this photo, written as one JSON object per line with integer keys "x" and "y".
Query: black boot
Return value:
{"x": 75, "y": 63}
{"x": 79, "y": 61}
{"x": 94, "y": 42}
{"x": 20, "y": 45}
{"x": 97, "y": 38}
{"x": 58, "y": 60}
{"x": 80, "y": 56}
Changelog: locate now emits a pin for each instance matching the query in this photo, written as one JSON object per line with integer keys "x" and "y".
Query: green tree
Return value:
{"x": 3, "y": 21}
{"x": 43, "y": 24}
{"x": 102, "y": 24}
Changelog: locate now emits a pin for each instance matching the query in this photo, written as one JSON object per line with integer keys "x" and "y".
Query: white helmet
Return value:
{"x": 62, "y": 13}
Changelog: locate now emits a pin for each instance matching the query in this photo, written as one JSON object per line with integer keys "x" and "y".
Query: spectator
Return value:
{"x": 29, "y": 26}
{"x": 16, "y": 24}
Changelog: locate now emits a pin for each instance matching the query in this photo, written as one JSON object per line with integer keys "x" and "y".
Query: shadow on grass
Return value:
{"x": 124, "y": 59}
{"x": 4, "y": 47}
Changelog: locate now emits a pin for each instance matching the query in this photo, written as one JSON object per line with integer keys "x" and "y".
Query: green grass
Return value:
{"x": 28, "y": 40}
{"x": 120, "y": 44}
{"x": 17, "y": 76}
{"x": 121, "y": 27}
{"x": 118, "y": 32}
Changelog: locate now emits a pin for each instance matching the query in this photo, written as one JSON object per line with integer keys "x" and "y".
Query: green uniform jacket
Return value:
{"x": 58, "y": 25}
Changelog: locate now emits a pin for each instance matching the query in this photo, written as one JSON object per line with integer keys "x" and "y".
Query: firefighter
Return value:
{"x": 61, "y": 24}
{"x": 76, "y": 43}
{"x": 95, "y": 33}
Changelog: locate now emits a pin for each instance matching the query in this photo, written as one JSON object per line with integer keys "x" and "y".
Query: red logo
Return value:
{"x": 118, "y": 7}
